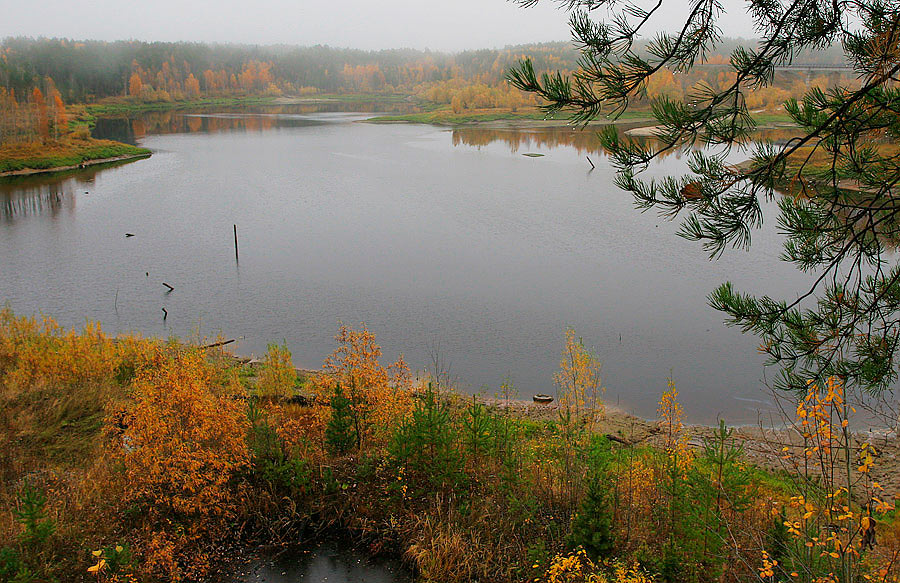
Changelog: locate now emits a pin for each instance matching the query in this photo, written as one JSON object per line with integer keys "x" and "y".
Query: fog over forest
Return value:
{"x": 445, "y": 26}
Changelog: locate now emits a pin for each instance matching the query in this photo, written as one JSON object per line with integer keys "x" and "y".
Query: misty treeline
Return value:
{"x": 38, "y": 76}
{"x": 86, "y": 71}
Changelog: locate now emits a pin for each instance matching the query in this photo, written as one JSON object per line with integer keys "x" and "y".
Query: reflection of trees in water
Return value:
{"x": 20, "y": 201}
{"x": 25, "y": 196}
{"x": 585, "y": 141}
{"x": 233, "y": 119}
{"x": 529, "y": 138}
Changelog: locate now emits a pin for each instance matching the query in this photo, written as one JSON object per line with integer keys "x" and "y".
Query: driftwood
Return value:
{"x": 618, "y": 439}
{"x": 591, "y": 163}
{"x": 216, "y": 344}
{"x": 171, "y": 289}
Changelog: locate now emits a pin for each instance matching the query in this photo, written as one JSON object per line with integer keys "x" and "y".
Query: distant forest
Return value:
{"x": 39, "y": 76}
{"x": 86, "y": 71}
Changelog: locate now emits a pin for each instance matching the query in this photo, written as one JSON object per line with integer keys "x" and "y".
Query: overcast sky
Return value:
{"x": 447, "y": 25}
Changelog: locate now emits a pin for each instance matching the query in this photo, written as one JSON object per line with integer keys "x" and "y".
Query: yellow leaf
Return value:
{"x": 97, "y": 553}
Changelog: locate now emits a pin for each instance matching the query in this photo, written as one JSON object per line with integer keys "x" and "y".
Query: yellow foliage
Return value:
{"x": 184, "y": 442}
{"x": 577, "y": 567}
{"x": 379, "y": 397}
{"x": 578, "y": 381}
{"x": 671, "y": 416}
{"x": 278, "y": 376}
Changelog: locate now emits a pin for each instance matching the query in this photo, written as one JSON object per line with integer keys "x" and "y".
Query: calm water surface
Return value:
{"x": 447, "y": 241}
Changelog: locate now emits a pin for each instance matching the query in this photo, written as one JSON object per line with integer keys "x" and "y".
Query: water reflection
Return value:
{"x": 46, "y": 194}
{"x": 584, "y": 141}
{"x": 40, "y": 199}
{"x": 330, "y": 562}
{"x": 131, "y": 128}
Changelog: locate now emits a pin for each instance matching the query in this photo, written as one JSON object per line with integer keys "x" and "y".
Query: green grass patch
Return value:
{"x": 443, "y": 115}
{"x": 125, "y": 105}
{"x": 59, "y": 154}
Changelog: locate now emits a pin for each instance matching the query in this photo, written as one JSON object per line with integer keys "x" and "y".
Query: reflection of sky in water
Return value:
{"x": 131, "y": 128}
{"x": 331, "y": 562}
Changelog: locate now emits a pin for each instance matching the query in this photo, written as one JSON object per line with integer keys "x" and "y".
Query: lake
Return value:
{"x": 448, "y": 242}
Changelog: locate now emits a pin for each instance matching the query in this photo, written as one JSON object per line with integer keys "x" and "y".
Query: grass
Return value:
{"x": 124, "y": 105}
{"x": 767, "y": 118}
{"x": 434, "y": 114}
{"x": 62, "y": 153}
{"x": 443, "y": 115}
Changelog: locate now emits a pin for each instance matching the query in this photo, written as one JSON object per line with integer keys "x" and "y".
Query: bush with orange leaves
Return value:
{"x": 379, "y": 397}
{"x": 184, "y": 444}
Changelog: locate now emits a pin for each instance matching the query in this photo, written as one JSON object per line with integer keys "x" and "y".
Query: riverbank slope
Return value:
{"x": 133, "y": 457}
{"x": 63, "y": 154}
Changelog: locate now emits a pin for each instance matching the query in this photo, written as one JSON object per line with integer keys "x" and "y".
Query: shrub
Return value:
{"x": 379, "y": 397}
{"x": 185, "y": 440}
{"x": 10, "y": 564}
{"x": 593, "y": 527}
{"x": 32, "y": 515}
{"x": 269, "y": 456}
{"x": 340, "y": 434}
{"x": 424, "y": 446}
{"x": 278, "y": 375}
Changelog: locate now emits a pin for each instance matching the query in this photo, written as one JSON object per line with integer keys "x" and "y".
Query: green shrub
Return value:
{"x": 477, "y": 430}
{"x": 10, "y": 564}
{"x": 424, "y": 446}
{"x": 269, "y": 458}
{"x": 340, "y": 435}
{"x": 593, "y": 527}
{"x": 32, "y": 515}
{"x": 277, "y": 376}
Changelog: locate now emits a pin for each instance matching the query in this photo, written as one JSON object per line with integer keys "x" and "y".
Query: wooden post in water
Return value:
{"x": 235, "y": 244}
